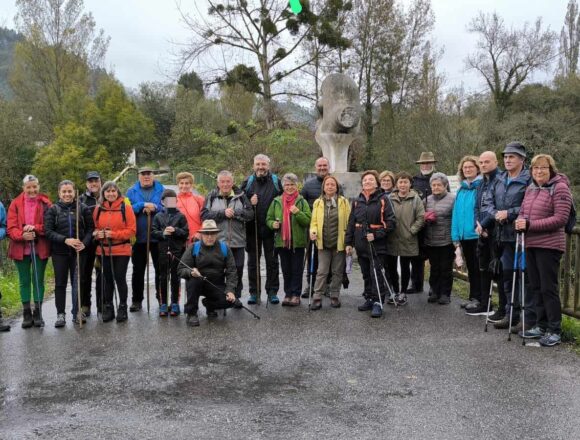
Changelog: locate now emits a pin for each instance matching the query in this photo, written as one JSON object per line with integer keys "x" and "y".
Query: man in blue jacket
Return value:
{"x": 3, "y": 327}
{"x": 145, "y": 197}
{"x": 501, "y": 205}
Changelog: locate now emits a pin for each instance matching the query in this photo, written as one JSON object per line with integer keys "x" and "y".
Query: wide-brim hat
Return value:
{"x": 515, "y": 148}
{"x": 208, "y": 226}
{"x": 426, "y": 157}
{"x": 145, "y": 169}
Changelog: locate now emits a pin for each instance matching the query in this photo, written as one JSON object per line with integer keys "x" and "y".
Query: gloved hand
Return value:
{"x": 430, "y": 216}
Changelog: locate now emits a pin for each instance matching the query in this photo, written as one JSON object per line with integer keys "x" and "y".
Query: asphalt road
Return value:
{"x": 421, "y": 372}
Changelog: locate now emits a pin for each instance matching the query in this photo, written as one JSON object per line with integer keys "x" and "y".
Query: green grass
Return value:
{"x": 10, "y": 303}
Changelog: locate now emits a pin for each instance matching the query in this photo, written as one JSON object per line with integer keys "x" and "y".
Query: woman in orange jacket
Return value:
{"x": 115, "y": 225}
{"x": 189, "y": 204}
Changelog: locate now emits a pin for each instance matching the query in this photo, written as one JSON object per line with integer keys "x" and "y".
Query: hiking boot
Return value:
{"x": 473, "y": 304}
{"x": 4, "y": 327}
{"x": 273, "y": 299}
{"x": 335, "y": 303}
{"x": 175, "y": 310}
{"x": 390, "y": 300}
{"x": 497, "y": 316}
{"x": 366, "y": 306}
{"x": 550, "y": 339}
{"x": 192, "y": 320}
{"x": 444, "y": 300}
{"x": 287, "y": 300}
{"x": 135, "y": 307}
{"x": 75, "y": 318}
{"x": 533, "y": 333}
{"x": 401, "y": 299}
{"x": 477, "y": 311}
{"x": 377, "y": 310}
{"x": 60, "y": 320}
{"x": 465, "y": 304}
{"x": 27, "y": 321}
{"x": 211, "y": 313}
{"x": 316, "y": 304}
{"x": 122, "y": 313}
{"x": 36, "y": 318}
{"x": 163, "y": 310}
{"x": 433, "y": 299}
{"x": 253, "y": 299}
{"x": 503, "y": 324}
{"x": 515, "y": 329}
{"x": 294, "y": 301}
{"x": 108, "y": 313}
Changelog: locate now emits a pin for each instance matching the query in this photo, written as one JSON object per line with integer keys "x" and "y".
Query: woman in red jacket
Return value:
{"x": 29, "y": 247}
{"x": 543, "y": 215}
{"x": 115, "y": 225}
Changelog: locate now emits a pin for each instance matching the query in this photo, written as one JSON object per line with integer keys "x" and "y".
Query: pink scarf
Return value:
{"x": 287, "y": 203}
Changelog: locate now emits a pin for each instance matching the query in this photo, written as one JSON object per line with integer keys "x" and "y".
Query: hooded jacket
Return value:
{"x": 300, "y": 222}
{"x": 438, "y": 234}
{"x": 60, "y": 224}
{"x": 546, "y": 209}
{"x": 266, "y": 190}
{"x": 486, "y": 184}
{"x": 15, "y": 223}
{"x": 410, "y": 215}
{"x": 175, "y": 242}
{"x": 190, "y": 205}
{"x": 111, "y": 217}
{"x": 375, "y": 215}
{"x": 505, "y": 195}
{"x": 138, "y": 200}
{"x": 463, "y": 221}
{"x": 232, "y": 230}
{"x": 422, "y": 185}
{"x": 317, "y": 222}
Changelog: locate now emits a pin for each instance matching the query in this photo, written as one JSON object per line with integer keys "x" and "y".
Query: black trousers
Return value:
{"x": 65, "y": 269}
{"x": 417, "y": 273}
{"x": 116, "y": 277}
{"x": 168, "y": 275}
{"x": 87, "y": 278}
{"x": 368, "y": 273}
{"x": 391, "y": 262}
{"x": 291, "y": 261}
{"x": 265, "y": 241}
{"x": 239, "y": 259}
{"x": 486, "y": 255}
{"x": 543, "y": 266}
{"x": 139, "y": 259}
{"x": 441, "y": 262}
{"x": 215, "y": 297}
{"x": 469, "y": 248}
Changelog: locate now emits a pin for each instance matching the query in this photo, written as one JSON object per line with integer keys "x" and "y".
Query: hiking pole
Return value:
{"x": 488, "y": 303}
{"x": 375, "y": 271}
{"x": 36, "y": 284}
{"x": 384, "y": 275}
{"x": 258, "y": 275}
{"x": 102, "y": 277}
{"x": 113, "y": 275}
{"x": 78, "y": 274}
{"x": 311, "y": 272}
{"x": 147, "y": 257}
{"x": 523, "y": 287}
{"x": 515, "y": 268}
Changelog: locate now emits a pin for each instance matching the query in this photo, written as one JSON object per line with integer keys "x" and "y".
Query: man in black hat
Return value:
{"x": 209, "y": 269}
{"x": 90, "y": 198}
{"x": 501, "y": 204}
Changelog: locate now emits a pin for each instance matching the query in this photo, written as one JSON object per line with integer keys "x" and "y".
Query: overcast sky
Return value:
{"x": 143, "y": 31}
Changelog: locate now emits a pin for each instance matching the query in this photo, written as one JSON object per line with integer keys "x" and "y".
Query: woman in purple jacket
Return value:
{"x": 543, "y": 215}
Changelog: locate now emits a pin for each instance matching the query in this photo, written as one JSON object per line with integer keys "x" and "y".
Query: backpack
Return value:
{"x": 569, "y": 226}
{"x": 59, "y": 212}
{"x": 253, "y": 177}
{"x": 197, "y": 247}
{"x": 100, "y": 208}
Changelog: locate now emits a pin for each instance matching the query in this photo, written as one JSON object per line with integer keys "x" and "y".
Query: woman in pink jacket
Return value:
{"x": 544, "y": 213}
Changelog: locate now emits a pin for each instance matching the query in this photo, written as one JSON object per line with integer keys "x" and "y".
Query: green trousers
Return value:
{"x": 26, "y": 278}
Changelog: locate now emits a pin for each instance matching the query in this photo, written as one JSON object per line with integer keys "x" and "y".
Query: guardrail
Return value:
{"x": 569, "y": 275}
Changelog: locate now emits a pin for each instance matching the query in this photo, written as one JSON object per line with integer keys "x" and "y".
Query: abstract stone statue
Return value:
{"x": 339, "y": 120}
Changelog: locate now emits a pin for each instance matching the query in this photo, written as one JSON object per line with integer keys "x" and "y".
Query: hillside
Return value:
{"x": 8, "y": 38}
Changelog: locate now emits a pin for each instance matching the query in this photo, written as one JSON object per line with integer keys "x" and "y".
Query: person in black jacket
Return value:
{"x": 171, "y": 231}
{"x": 60, "y": 229}
{"x": 209, "y": 269}
{"x": 261, "y": 188}
{"x": 371, "y": 218}
{"x": 90, "y": 198}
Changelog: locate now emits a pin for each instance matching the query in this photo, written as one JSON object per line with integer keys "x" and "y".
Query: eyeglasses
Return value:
{"x": 146, "y": 173}
{"x": 540, "y": 168}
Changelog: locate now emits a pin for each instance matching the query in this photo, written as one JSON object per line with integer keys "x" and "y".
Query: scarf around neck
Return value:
{"x": 287, "y": 202}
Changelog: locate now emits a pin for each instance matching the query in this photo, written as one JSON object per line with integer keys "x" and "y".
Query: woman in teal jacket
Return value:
{"x": 289, "y": 217}
{"x": 463, "y": 224}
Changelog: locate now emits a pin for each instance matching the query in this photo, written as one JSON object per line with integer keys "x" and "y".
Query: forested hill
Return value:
{"x": 8, "y": 39}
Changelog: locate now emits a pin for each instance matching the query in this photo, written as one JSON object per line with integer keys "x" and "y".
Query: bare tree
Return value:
{"x": 570, "y": 41}
{"x": 506, "y": 57}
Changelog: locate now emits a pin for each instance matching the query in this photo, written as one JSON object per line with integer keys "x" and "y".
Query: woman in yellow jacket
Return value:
{"x": 328, "y": 227}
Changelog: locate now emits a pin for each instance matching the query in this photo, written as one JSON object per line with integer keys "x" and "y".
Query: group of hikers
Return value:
{"x": 397, "y": 222}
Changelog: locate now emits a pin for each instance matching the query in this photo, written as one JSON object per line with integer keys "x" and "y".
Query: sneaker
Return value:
{"x": 444, "y": 300}
{"x": 473, "y": 304}
{"x": 401, "y": 299}
{"x": 316, "y": 304}
{"x": 273, "y": 299}
{"x": 433, "y": 299}
{"x": 533, "y": 333}
{"x": 192, "y": 320}
{"x": 60, "y": 320}
{"x": 476, "y": 311}
{"x": 175, "y": 310}
{"x": 4, "y": 327}
{"x": 463, "y": 304}
{"x": 253, "y": 299}
{"x": 108, "y": 313}
{"x": 122, "y": 313}
{"x": 27, "y": 321}
{"x": 502, "y": 324}
{"x": 377, "y": 310}
{"x": 497, "y": 316}
{"x": 366, "y": 306}
{"x": 37, "y": 319}
{"x": 163, "y": 310}
{"x": 135, "y": 307}
{"x": 390, "y": 300}
{"x": 75, "y": 318}
{"x": 515, "y": 329}
{"x": 335, "y": 303}
{"x": 550, "y": 339}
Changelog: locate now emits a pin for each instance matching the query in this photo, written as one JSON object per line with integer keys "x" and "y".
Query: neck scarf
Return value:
{"x": 287, "y": 202}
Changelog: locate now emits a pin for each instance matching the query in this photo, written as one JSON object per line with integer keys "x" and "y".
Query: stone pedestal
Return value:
{"x": 350, "y": 183}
